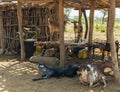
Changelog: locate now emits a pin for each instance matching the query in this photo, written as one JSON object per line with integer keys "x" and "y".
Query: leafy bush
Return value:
{"x": 97, "y": 26}
{"x": 102, "y": 28}
{"x": 117, "y": 27}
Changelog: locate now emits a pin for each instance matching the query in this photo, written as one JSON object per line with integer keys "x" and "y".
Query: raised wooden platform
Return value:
{"x": 57, "y": 43}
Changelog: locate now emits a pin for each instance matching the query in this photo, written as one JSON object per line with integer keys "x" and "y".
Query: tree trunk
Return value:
{"x": 1, "y": 30}
{"x": 103, "y": 19}
{"x": 91, "y": 25}
{"x": 107, "y": 30}
{"x": 86, "y": 24}
{"x": 61, "y": 26}
{"x": 80, "y": 28}
{"x": 112, "y": 42}
{"x": 19, "y": 14}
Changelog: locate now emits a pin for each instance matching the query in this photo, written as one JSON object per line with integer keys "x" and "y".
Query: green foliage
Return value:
{"x": 67, "y": 12}
{"x": 117, "y": 27}
{"x": 97, "y": 26}
{"x": 75, "y": 18}
{"x": 102, "y": 28}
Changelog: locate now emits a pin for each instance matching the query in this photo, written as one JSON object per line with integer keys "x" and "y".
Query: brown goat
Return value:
{"x": 105, "y": 47}
{"x": 77, "y": 31}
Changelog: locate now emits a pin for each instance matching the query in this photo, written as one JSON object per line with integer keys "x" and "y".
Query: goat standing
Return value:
{"x": 77, "y": 31}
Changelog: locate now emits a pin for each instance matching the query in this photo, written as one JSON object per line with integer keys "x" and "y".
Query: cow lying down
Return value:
{"x": 91, "y": 75}
{"x": 71, "y": 71}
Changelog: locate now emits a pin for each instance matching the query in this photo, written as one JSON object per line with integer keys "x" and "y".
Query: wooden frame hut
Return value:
{"x": 60, "y": 4}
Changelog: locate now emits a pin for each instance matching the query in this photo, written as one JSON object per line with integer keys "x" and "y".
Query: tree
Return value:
{"x": 104, "y": 12}
{"x": 67, "y": 12}
{"x": 110, "y": 26}
{"x": 86, "y": 23}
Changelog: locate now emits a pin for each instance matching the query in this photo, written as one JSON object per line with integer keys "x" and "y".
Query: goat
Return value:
{"x": 57, "y": 71}
{"x": 105, "y": 47}
{"x": 77, "y": 31}
{"x": 48, "y": 72}
{"x": 70, "y": 72}
{"x": 53, "y": 27}
{"x": 91, "y": 75}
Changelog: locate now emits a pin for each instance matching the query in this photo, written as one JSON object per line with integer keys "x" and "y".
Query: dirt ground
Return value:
{"x": 17, "y": 77}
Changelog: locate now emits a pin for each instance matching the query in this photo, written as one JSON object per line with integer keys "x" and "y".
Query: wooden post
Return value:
{"x": 57, "y": 10}
{"x": 107, "y": 29}
{"x": 91, "y": 25}
{"x": 19, "y": 14}
{"x": 80, "y": 16}
{"x": 57, "y": 20}
{"x": 1, "y": 31}
{"x": 80, "y": 28}
{"x": 61, "y": 26}
{"x": 111, "y": 19}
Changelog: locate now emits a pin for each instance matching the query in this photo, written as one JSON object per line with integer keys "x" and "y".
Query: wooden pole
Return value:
{"x": 111, "y": 19}
{"x": 57, "y": 20}
{"x": 107, "y": 29}
{"x": 91, "y": 25}
{"x": 80, "y": 28}
{"x": 80, "y": 16}
{"x": 19, "y": 14}
{"x": 1, "y": 30}
{"x": 57, "y": 10}
{"x": 61, "y": 26}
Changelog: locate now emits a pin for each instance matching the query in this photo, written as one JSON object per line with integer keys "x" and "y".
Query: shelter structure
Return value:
{"x": 42, "y": 10}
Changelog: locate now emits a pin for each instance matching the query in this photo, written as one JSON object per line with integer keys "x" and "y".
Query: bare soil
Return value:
{"x": 17, "y": 77}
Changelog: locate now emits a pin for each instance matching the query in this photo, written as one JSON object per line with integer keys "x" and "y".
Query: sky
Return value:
{"x": 98, "y": 14}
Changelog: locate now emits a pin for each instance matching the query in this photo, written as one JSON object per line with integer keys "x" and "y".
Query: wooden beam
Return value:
{"x": 1, "y": 31}
{"x": 61, "y": 26}
{"x": 91, "y": 26}
{"x": 111, "y": 19}
{"x": 36, "y": 1}
{"x": 19, "y": 14}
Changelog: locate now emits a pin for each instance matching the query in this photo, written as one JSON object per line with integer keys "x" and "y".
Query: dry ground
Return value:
{"x": 17, "y": 77}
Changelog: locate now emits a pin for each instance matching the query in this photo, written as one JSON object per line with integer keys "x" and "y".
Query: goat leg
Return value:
{"x": 96, "y": 84}
{"x": 91, "y": 84}
{"x": 37, "y": 79}
{"x": 105, "y": 84}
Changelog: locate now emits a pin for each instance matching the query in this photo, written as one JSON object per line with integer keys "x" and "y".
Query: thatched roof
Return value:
{"x": 100, "y": 4}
